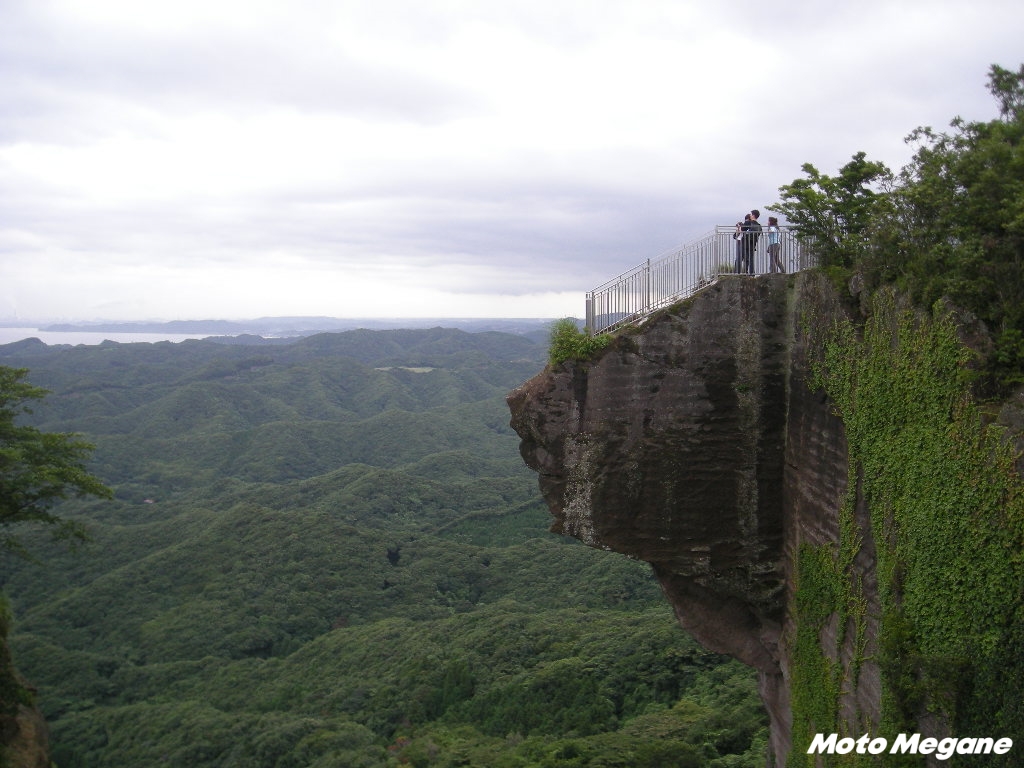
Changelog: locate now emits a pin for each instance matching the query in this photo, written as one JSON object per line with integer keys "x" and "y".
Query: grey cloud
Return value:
{"x": 540, "y": 216}
{"x": 59, "y": 74}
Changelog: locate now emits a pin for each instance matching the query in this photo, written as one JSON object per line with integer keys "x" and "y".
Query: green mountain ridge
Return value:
{"x": 329, "y": 553}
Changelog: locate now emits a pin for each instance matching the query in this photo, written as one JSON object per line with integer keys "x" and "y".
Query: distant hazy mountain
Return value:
{"x": 303, "y": 326}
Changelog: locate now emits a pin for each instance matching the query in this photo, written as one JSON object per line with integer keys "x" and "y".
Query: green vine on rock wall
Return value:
{"x": 815, "y": 678}
{"x": 947, "y": 516}
{"x": 828, "y": 593}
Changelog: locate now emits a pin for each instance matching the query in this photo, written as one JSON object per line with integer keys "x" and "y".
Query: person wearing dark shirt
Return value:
{"x": 741, "y": 244}
{"x": 751, "y": 233}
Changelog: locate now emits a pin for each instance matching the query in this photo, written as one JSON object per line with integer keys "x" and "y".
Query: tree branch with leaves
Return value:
{"x": 38, "y": 469}
{"x": 950, "y": 224}
{"x": 837, "y": 212}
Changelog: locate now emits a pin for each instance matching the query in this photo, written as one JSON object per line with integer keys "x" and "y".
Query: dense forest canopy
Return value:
{"x": 329, "y": 553}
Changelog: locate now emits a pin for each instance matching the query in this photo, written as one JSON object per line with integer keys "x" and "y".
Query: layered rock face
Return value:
{"x": 25, "y": 739}
{"x": 695, "y": 444}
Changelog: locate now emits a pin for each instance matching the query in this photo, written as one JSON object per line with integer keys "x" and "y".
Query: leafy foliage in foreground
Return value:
{"x": 37, "y": 468}
{"x": 329, "y": 553}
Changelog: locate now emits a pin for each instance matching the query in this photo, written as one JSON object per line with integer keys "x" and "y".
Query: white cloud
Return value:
{"x": 332, "y": 157}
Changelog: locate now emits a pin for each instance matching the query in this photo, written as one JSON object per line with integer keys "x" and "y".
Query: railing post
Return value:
{"x": 647, "y": 279}
{"x": 590, "y": 314}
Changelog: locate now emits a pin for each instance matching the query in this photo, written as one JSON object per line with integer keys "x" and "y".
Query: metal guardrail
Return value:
{"x": 681, "y": 272}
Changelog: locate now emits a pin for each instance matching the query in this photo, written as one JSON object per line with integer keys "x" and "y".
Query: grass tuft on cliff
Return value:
{"x": 568, "y": 342}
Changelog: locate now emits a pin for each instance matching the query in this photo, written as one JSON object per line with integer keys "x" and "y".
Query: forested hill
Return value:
{"x": 289, "y": 412}
{"x": 328, "y": 553}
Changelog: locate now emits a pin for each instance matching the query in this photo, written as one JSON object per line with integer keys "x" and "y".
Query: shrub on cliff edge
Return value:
{"x": 568, "y": 342}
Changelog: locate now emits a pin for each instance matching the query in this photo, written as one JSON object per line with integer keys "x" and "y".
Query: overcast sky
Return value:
{"x": 198, "y": 159}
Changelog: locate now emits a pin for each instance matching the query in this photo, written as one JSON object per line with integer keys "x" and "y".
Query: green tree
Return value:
{"x": 1007, "y": 87}
{"x": 837, "y": 212}
{"x": 957, "y": 228}
{"x": 37, "y": 468}
{"x": 950, "y": 224}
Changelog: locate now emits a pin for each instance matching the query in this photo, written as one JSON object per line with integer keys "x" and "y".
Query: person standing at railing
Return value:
{"x": 741, "y": 246}
{"x": 774, "y": 258}
{"x": 752, "y": 231}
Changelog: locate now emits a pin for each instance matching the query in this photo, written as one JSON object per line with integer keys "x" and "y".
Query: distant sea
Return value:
{"x": 9, "y": 335}
{"x": 265, "y": 327}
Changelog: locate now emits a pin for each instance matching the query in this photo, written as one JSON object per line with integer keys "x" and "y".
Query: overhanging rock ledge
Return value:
{"x": 695, "y": 444}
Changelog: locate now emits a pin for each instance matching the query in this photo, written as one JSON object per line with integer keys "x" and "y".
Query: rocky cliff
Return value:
{"x": 696, "y": 444}
{"x": 24, "y": 738}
